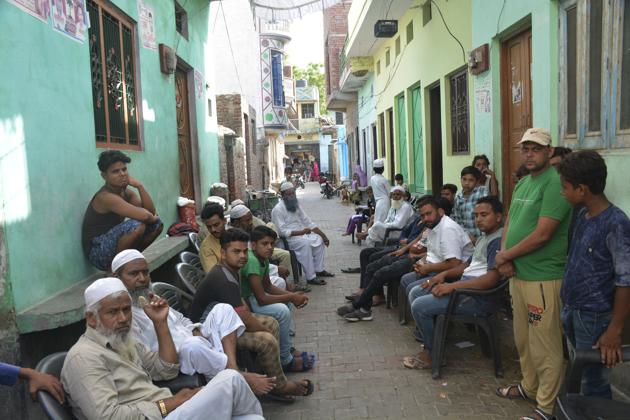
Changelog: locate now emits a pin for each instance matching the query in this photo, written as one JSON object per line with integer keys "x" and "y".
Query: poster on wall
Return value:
{"x": 198, "y": 84}
{"x": 147, "y": 25}
{"x": 70, "y": 18}
{"x": 483, "y": 95}
{"x": 38, "y": 8}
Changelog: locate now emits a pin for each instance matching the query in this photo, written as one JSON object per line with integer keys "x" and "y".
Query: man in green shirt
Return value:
{"x": 533, "y": 253}
{"x": 266, "y": 299}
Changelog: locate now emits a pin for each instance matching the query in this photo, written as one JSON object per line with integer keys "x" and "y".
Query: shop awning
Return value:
{"x": 272, "y": 10}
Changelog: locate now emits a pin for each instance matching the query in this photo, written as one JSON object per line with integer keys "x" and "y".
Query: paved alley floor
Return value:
{"x": 359, "y": 373}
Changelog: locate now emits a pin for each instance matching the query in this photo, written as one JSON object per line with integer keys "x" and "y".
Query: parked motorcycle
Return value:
{"x": 325, "y": 188}
{"x": 298, "y": 181}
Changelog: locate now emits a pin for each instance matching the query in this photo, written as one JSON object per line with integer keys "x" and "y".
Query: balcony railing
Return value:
{"x": 306, "y": 125}
{"x": 277, "y": 26}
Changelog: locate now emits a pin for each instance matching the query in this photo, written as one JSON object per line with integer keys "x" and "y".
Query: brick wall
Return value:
{"x": 335, "y": 31}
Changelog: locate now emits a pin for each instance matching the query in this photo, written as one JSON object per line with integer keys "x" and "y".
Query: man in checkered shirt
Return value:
{"x": 466, "y": 199}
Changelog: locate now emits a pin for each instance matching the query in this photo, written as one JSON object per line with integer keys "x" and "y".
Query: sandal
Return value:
{"x": 309, "y": 387}
{"x": 325, "y": 274}
{"x": 351, "y": 270}
{"x": 301, "y": 288}
{"x": 308, "y": 362}
{"x": 506, "y": 392}
{"x": 317, "y": 281}
{"x": 538, "y": 414}
{"x": 414, "y": 362}
{"x": 288, "y": 399}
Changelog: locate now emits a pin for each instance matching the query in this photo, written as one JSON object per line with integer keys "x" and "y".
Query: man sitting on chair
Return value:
{"x": 400, "y": 211}
{"x": 304, "y": 237}
{"x": 108, "y": 374}
{"x": 206, "y": 348}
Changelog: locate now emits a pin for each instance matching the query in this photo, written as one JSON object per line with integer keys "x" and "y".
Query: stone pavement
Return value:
{"x": 359, "y": 373}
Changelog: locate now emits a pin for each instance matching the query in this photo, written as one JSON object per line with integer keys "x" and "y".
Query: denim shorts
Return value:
{"x": 104, "y": 246}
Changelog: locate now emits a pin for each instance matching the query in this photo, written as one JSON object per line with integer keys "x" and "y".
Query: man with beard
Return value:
{"x": 400, "y": 211}
{"x": 242, "y": 218}
{"x": 206, "y": 348}
{"x": 108, "y": 374}
{"x": 117, "y": 218}
{"x": 304, "y": 237}
{"x": 223, "y": 285}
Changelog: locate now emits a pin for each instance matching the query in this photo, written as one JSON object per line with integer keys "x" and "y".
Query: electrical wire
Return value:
{"x": 227, "y": 31}
{"x": 449, "y": 30}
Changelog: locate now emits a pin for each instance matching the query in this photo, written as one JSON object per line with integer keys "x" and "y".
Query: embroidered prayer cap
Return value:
{"x": 286, "y": 186}
{"x": 238, "y": 211}
{"x": 378, "y": 163}
{"x": 397, "y": 188}
{"x": 537, "y": 135}
{"x": 101, "y": 289}
{"x": 123, "y": 257}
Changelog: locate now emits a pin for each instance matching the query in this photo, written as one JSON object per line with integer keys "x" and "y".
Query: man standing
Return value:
{"x": 380, "y": 186}
{"x": 304, "y": 237}
{"x": 534, "y": 250}
{"x": 465, "y": 201}
{"x": 108, "y": 374}
{"x": 117, "y": 218}
{"x": 400, "y": 211}
{"x": 207, "y": 348}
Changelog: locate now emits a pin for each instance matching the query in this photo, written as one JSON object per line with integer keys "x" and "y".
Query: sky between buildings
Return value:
{"x": 307, "y": 40}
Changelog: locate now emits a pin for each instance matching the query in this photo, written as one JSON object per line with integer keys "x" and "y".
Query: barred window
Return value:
{"x": 460, "y": 143}
{"x": 308, "y": 110}
{"x": 112, "y": 38}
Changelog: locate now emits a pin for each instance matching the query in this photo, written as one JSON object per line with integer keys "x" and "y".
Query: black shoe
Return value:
{"x": 359, "y": 315}
{"x": 350, "y": 270}
{"x": 345, "y": 309}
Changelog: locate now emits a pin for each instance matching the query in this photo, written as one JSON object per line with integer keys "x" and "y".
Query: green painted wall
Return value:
{"x": 47, "y": 148}
{"x": 492, "y": 22}
{"x": 430, "y": 57}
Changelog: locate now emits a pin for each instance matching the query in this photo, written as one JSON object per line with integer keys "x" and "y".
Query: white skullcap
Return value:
{"x": 238, "y": 211}
{"x": 286, "y": 186}
{"x": 237, "y": 202}
{"x": 397, "y": 188}
{"x": 217, "y": 200}
{"x": 123, "y": 257}
{"x": 378, "y": 163}
{"x": 102, "y": 288}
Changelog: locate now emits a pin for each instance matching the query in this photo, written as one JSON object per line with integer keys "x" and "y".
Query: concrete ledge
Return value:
{"x": 66, "y": 307}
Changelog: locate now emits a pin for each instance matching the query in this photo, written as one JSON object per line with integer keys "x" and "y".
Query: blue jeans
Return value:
{"x": 410, "y": 280}
{"x": 282, "y": 313}
{"x": 425, "y": 307}
{"x": 583, "y": 329}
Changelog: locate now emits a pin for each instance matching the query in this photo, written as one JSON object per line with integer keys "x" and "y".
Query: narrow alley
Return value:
{"x": 359, "y": 373}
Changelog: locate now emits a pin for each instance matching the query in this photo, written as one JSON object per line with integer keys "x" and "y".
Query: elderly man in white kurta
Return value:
{"x": 304, "y": 237}
{"x": 400, "y": 211}
{"x": 380, "y": 188}
{"x": 207, "y": 348}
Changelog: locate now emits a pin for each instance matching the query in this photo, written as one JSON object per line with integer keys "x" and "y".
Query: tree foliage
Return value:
{"x": 314, "y": 75}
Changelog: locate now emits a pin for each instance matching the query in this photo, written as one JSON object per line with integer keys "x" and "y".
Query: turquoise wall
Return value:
{"x": 494, "y": 21}
{"x": 47, "y": 148}
{"x": 367, "y": 116}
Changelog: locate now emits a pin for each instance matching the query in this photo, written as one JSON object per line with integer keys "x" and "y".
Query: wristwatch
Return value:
{"x": 162, "y": 406}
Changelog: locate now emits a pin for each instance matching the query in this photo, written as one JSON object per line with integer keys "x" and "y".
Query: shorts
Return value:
{"x": 104, "y": 246}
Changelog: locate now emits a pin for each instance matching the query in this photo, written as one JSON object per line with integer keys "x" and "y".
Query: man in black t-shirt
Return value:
{"x": 222, "y": 285}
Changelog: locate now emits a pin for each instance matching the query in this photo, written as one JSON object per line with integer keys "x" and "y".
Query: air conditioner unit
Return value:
{"x": 385, "y": 28}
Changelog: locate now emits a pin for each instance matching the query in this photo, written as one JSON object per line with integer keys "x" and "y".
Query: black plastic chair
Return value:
{"x": 295, "y": 264}
{"x": 191, "y": 258}
{"x": 176, "y": 297}
{"x": 486, "y": 326}
{"x": 571, "y": 405}
{"x": 190, "y": 275}
{"x": 53, "y": 363}
{"x": 195, "y": 240}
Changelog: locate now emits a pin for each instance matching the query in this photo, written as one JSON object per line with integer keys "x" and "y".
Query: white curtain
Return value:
{"x": 273, "y": 10}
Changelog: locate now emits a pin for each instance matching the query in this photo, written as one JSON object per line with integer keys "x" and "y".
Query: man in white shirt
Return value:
{"x": 207, "y": 348}
{"x": 380, "y": 187}
{"x": 447, "y": 245}
{"x": 304, "y": 237}
{"x": 400, "y": 211}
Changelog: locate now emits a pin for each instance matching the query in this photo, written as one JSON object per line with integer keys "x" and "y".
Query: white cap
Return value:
{"x": 378, "y": 163}
{"x": 237, "y": 202}
{"x": 123, "y": 257}
{"x": 102, "y": 288}
{"x": 217, "y": 200}
{"x": 286, "y": 186}
{"x": 397, "y": 188}
{"x": 238, "y": 211}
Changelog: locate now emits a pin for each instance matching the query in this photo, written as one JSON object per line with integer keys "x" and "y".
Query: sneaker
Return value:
{"x": 359, "y": 315}
{"x": 345, "y": 309}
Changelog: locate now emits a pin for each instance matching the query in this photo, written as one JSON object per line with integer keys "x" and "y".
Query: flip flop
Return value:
{"x": 310, "y": 387}
{"x": 324, "y": 274}
{"x": 351, "y": 270}
{"x": 505, "y": 392}
{"x": 302, "y": 288}
{"x": 317, "y": 281}
{"x": 287, "y": 399}
{"x": 414, "y": 362}
{"x": 308, "y": 362}
{"x": 538, "y": 414}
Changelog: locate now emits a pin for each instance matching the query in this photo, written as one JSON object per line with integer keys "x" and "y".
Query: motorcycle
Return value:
{"x": 325, "y": 188}
{"x": 298, "y": 181}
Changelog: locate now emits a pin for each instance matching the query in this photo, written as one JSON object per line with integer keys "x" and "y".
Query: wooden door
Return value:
{"x": 435, "y": 119}
{"x": 516, "y": 112}
{"x": 186, "y": 180}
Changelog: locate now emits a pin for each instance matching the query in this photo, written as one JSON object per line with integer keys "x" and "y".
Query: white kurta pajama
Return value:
{"x": 396, "y": 218}
{"x": 197, "y": 354}
{"x": 380, "y": 188}
{"x": 309, "y": 249}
